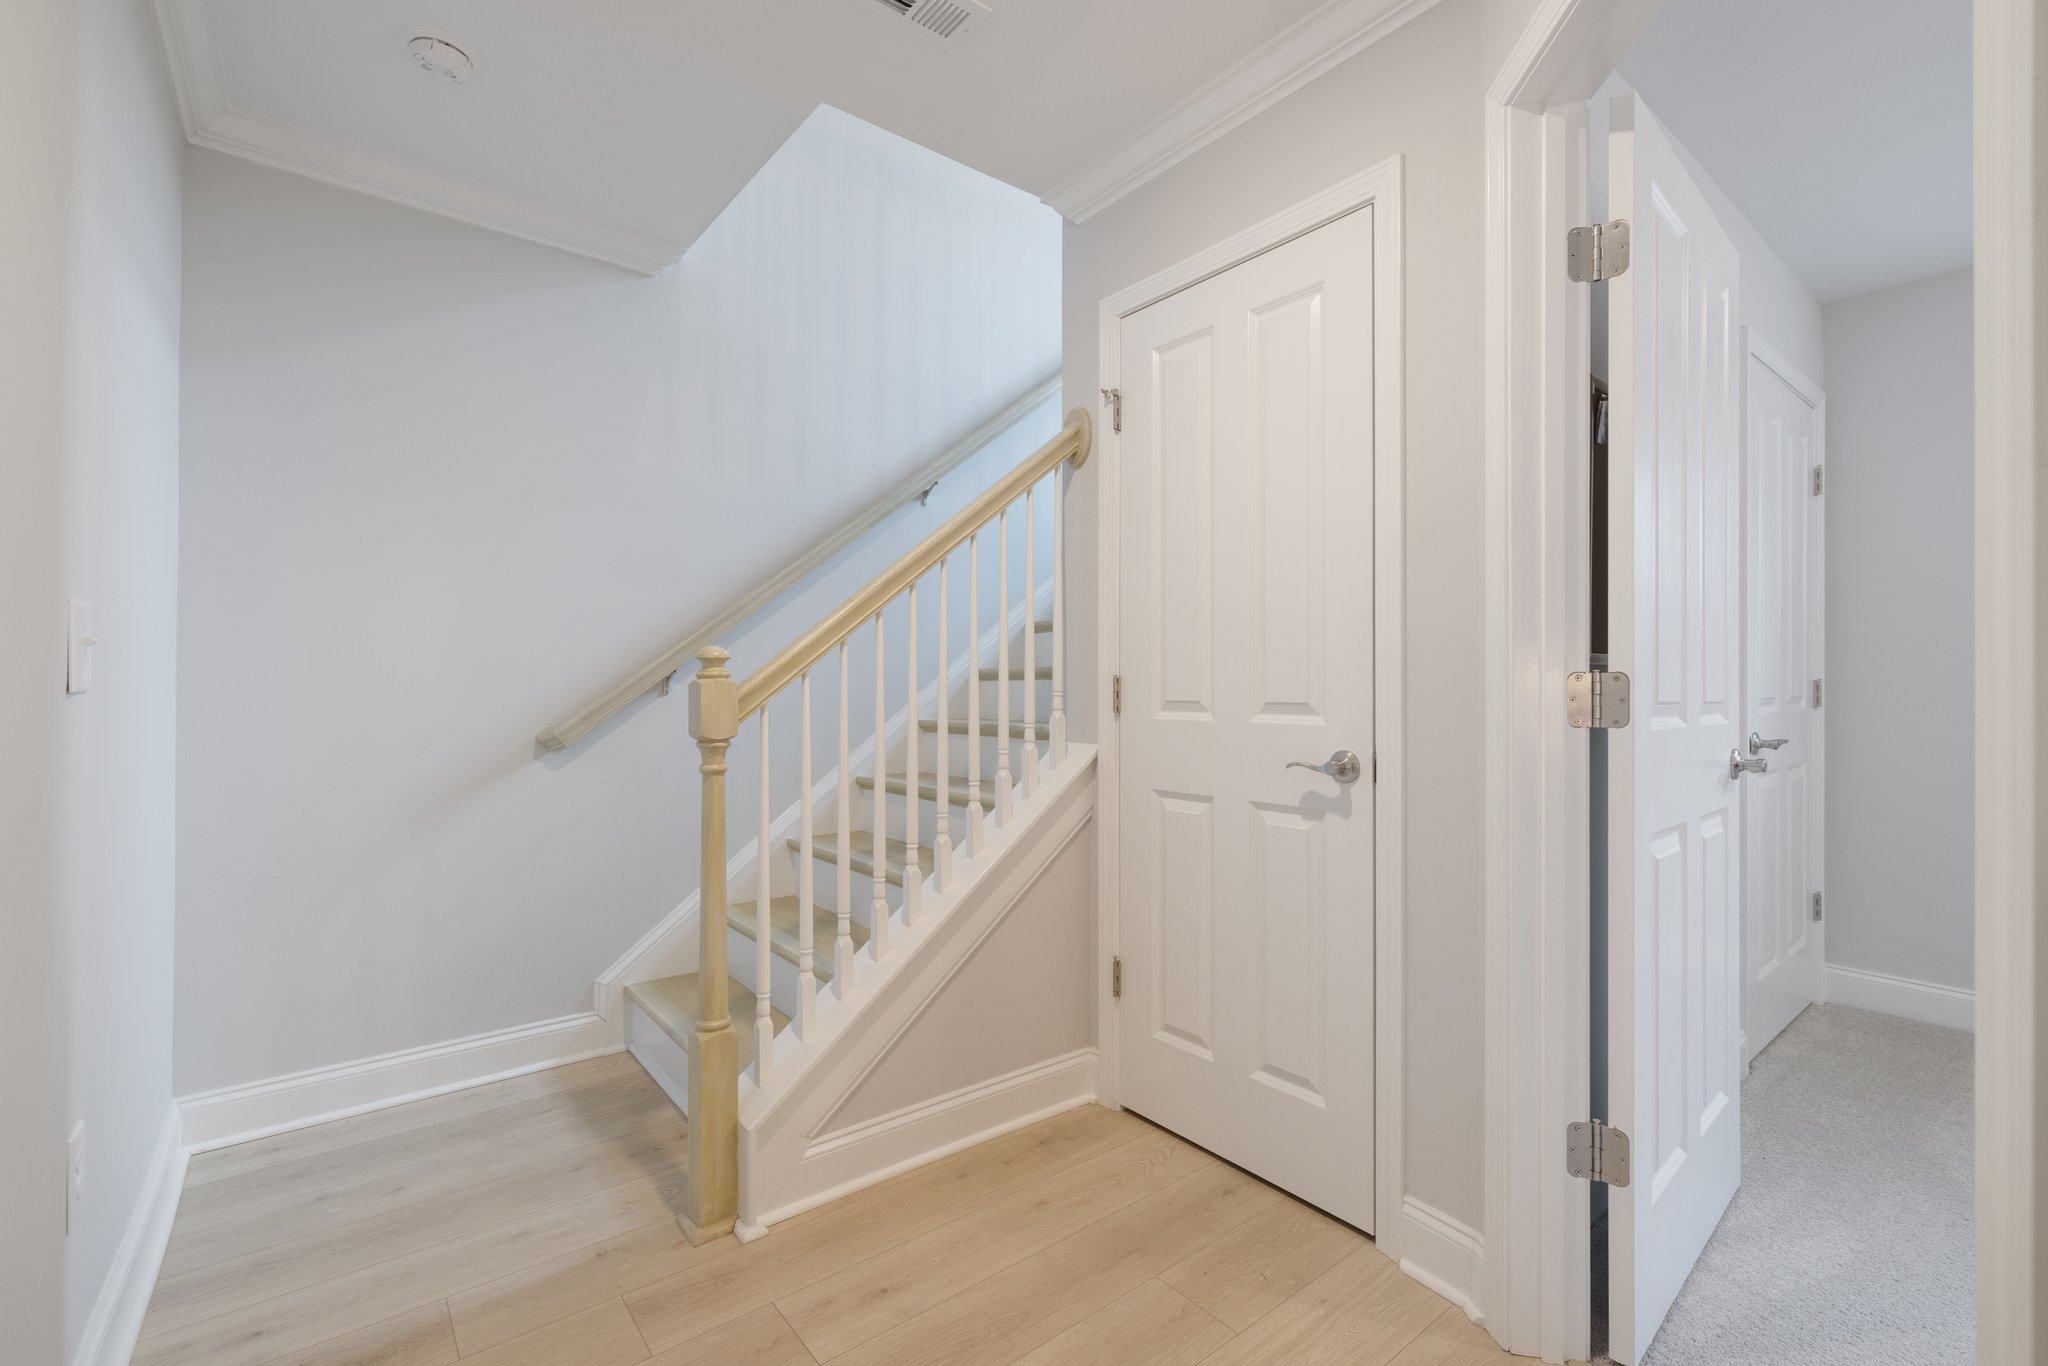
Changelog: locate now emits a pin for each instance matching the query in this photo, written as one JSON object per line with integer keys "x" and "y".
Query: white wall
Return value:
{"x": 442, "y": 487}
{"x": 1417, "y": 93}
{"x": 1900, "y": 388}
{"x": 90, "y": 502}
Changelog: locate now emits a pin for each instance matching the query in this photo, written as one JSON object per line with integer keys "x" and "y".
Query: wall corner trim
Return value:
{"x": 116, "y": 1322}
{"x": 1321, "y": 40}
{"x": 237, "y": 1114}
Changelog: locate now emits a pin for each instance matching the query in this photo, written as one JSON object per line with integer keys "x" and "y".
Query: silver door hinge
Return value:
{"x": 1816, "y": 905}
{"x": 1115, "y": 399}
{"x": 1596, "y": 1152}
{"x": 1596, "y": 700}
{"x": 1116, "y": 695}
{"x": 1816, "y": 481}
{"x": 1816, "y": 694}
{"x": 1599, "y": 252}
{"x": 1116, "y": 979}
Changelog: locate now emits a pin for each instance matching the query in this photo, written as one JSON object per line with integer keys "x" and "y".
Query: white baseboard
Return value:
{"x": 1442, "y": 1253}
{"x": 237, "y": 1114}
{"x": 109, "y": 1336}
{"x": 874, "y": 1150}
{"x": 1926, "y": 1001}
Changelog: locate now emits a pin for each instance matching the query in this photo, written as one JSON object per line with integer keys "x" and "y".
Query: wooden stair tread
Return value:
{"x": 958, "y": 792}
{"x": 990, "y": 729}
{"x": 1043, "y": 628}
{"x": 783, "y": 931}
{"x": 1043, "y": 673}
{"x": 672, "y": 1003}
{"x": 861, "y": 855}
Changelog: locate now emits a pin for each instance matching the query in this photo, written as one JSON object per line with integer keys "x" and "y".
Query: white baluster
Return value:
{"x": 806, "y": 891}
{"x": 976, "y": 824}
{"x": 1003, "y": 793}
{"x": 842, "y": 946}
{"x": 1057, "y": 722}
{"x": 913, "y": 809}
{"x": 878, "y": 841}
{"x": 764, "y": 1021}
{"x": 942, "y": 765}
{"x": 1030, "y": 644}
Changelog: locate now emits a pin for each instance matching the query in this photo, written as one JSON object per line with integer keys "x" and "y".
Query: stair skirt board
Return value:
{"x": 861, "y": 1155}
{"x": 670, "y": 947}
{"x": 780, "y": 1132}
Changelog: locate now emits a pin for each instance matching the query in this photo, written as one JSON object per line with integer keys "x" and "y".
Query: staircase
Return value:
{"x": 854, "y": 881}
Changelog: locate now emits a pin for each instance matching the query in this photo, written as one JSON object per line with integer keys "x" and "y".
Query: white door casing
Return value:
{"x": 1675, "y": 612}
{"x": 1247, "y": 570}
{"x": 1782, "y": 855}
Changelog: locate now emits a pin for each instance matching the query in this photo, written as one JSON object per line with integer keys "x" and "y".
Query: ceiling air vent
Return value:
{"x": 941, "y": 18}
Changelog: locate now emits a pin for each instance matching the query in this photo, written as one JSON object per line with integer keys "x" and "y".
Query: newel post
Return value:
{"x": 712, "y": 1200}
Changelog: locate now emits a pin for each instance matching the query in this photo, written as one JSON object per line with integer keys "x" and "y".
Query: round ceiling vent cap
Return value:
{"x": 441, "y": 57}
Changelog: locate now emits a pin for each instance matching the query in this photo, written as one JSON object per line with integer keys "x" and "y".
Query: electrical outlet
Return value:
{"x": 74, "y": 1178}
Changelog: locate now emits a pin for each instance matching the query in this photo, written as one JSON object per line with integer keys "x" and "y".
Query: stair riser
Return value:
{"x": 988, "y": 756}
{"x": 664, "y": 1058}
{"x": 782, "y": 994}
{"x": 991, "y": 697}
{"x": 862, "y": 888}
{"x": 928, "y": 817}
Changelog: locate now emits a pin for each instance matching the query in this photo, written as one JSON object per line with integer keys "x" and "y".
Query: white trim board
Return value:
{"x": 1443, "y": 1253}
{"x": 1319, "y": 41}
{"x": 1926, "y": 1001}
{"x": 861, "y": 1155}
{"x": 116, "y": 1321}
{"x": 212, "y": 121}
{"x": 237, "y": 1114}
{"x": 1379, "y": 186}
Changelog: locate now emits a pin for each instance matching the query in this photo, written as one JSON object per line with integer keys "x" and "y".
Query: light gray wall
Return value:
{"x": 442, "y": 487}
{"x": 1026, "y": 996}
{"x": 88, "y": 509}
{"x": 1417, "y": 93}
{"x": 1772, "y": 300}
{"x": 1900, "y": 386}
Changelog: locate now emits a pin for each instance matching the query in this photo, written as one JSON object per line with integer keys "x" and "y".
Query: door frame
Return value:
{"x": 1756, "y": 348}
{"x": 1537, "y": 1284}
{"x": 1380, "y": 188}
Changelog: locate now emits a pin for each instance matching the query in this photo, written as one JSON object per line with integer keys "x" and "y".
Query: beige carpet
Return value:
{"x": 1851, "y": 1240}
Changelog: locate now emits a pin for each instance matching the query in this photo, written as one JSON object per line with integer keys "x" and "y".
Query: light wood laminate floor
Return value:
{"x": 530, "y": 1223}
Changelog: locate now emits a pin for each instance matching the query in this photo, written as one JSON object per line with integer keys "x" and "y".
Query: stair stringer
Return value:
{"x": 779, "y": 1129}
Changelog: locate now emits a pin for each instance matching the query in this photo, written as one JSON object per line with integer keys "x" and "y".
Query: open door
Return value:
{"x": 1674, "y": 906}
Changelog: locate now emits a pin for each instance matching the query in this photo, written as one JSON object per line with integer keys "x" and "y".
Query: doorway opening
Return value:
{"x": 1780, "y": 930}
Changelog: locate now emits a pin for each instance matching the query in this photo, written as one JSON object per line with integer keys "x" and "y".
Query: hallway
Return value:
{"x": 1850, "y": 1242}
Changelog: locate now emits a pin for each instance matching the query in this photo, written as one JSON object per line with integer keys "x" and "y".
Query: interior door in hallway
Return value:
{"x": 1674, "y": 896}
{"x": 1246, "y": 1022}
{"x": 1781, "y": 808}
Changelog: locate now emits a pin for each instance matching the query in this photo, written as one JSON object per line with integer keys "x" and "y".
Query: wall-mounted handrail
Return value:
{"x": 1071, "y": 445}
{"x": 913, "y": 489}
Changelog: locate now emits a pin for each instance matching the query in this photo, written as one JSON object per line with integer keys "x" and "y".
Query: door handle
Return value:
{"x": 1737, "y": 765}
{"x": 1344, "y": 766}
{"x": 1757, "y": 743}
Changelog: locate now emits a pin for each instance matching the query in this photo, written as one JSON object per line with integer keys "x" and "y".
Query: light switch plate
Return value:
{"x": 78, "y": 660}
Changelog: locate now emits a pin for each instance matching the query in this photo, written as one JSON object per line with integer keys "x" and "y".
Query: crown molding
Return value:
{"x": 1320, "y": 41}
{"x": 211, "y": 120}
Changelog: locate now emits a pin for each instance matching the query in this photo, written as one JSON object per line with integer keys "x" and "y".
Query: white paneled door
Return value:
{"x": 1674, "y": 915}
{"x": 1781, "y": 808}
{"x": 1247, "y": 565}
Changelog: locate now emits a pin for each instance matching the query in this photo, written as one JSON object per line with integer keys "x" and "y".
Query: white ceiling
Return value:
{"x": 620, "y": 128}
{"x": 1840, "y": 128}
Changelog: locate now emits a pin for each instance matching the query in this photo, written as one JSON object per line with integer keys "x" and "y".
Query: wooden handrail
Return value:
{"x": 1073, "y": 444}
{"x": 917, "y": 486}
